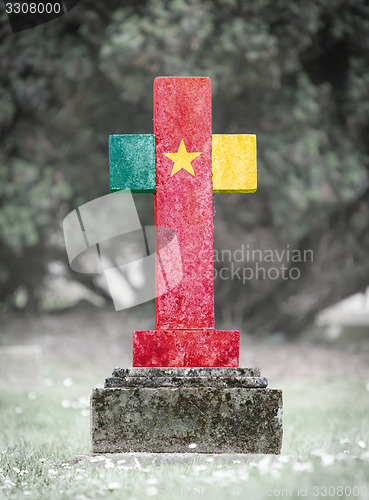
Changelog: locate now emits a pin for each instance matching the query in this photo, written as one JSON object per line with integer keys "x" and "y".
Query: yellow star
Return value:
{"x": 182, "y": 159}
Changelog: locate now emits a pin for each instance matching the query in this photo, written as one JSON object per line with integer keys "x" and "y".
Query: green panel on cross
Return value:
{"x": 132, "y": 163}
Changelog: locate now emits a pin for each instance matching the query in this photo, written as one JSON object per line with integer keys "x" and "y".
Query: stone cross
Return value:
{"x": 183, "y": 163}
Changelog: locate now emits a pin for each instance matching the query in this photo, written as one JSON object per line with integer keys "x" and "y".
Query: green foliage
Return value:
{"x": 315, "y": 166}
{"x": 31, "y": 198}
{"x": 294, "y": 73}
{"x": 266, "y": 61}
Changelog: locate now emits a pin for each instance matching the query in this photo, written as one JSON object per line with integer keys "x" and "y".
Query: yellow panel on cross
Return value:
{"x": 233, "y": 162}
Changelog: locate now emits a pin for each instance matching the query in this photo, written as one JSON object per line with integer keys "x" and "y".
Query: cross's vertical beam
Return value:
{"x": 183, "y": 201}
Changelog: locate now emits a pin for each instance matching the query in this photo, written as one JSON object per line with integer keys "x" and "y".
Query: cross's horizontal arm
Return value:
{"x": 233, "y": 161}
{"x": 132, "y": 163}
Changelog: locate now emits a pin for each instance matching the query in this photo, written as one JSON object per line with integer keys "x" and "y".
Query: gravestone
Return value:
{"x": 185, "y": 391}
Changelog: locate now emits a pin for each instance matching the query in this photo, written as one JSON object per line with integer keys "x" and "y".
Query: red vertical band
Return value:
{"x": 184, "y": 202}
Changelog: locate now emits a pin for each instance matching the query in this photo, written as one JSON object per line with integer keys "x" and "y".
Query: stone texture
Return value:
{"x": 168, "y": 420}
{"x": 233, "y": 161}
{"x": 132, "y": 163}
{"x": 185, "y": 348}
{"x": 186, "y": 372}
{"x": 251, "y": 382}
{"x": 183, "y": 201}
{"x": 186, "y": 377}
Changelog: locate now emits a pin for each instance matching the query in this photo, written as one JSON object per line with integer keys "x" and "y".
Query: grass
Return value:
{"x": 325, "y": 451}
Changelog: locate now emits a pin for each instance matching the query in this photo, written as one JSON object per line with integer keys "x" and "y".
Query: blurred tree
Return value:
{"x": 296, "y": 74}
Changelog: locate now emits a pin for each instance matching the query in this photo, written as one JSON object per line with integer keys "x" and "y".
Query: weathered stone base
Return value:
{"x": 222, "y": 414}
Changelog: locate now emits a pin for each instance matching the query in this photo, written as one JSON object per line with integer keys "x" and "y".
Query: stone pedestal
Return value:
{"x": 169, "y": 410}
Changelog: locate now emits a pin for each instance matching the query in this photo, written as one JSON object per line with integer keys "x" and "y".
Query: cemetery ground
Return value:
{"x": 44, "y": 424}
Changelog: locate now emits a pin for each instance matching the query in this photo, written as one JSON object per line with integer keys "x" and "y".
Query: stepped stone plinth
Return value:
{"x": 220, "y": 410}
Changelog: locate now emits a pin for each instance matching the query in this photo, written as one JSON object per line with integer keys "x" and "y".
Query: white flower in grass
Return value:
{"x": 26, "y": 492}
{"x": 219, "y": 474}
{"x": 318, "y": 453}
{"x": 243, "y": 474}
{"x": 121, "y": 461}
{"x": 303, "y": 467}
{"x": 361, "y": 444}
{"x": 199, "y": 467}
{"x": 114, "y": 485}
{"x": 210, "y": 459}
{"x": 264, "y": 464}
{"x": 192, "y": 446}
{"x": 15, "y": 469}
{"x": 152, "y": 491}
{"x": 124, "y": 467}
{"x": 42, "y": 460}
{"x": 275, "y": 473}
{"x": 341, "y": 456}
{"x": 52, "y": 472}
{"x": 85, "y": 413}
{"x": 67, "y": 382}
{"x": 284, "y": 459}
{"x": 152, "y": 480}
{"x": 277, "y": 465}
{"x": 65, "y": 403}
{"x": 8, "y": 483}
{"x": 109, "y": 465}
{"x": 327, "y": 460}
{"x": 18, "y": 410}
{"x": 94, "y": 459}
{"x": 344, "y": 440}
{"x": 84, "y": 402}
{"x": 206, "y": 479}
